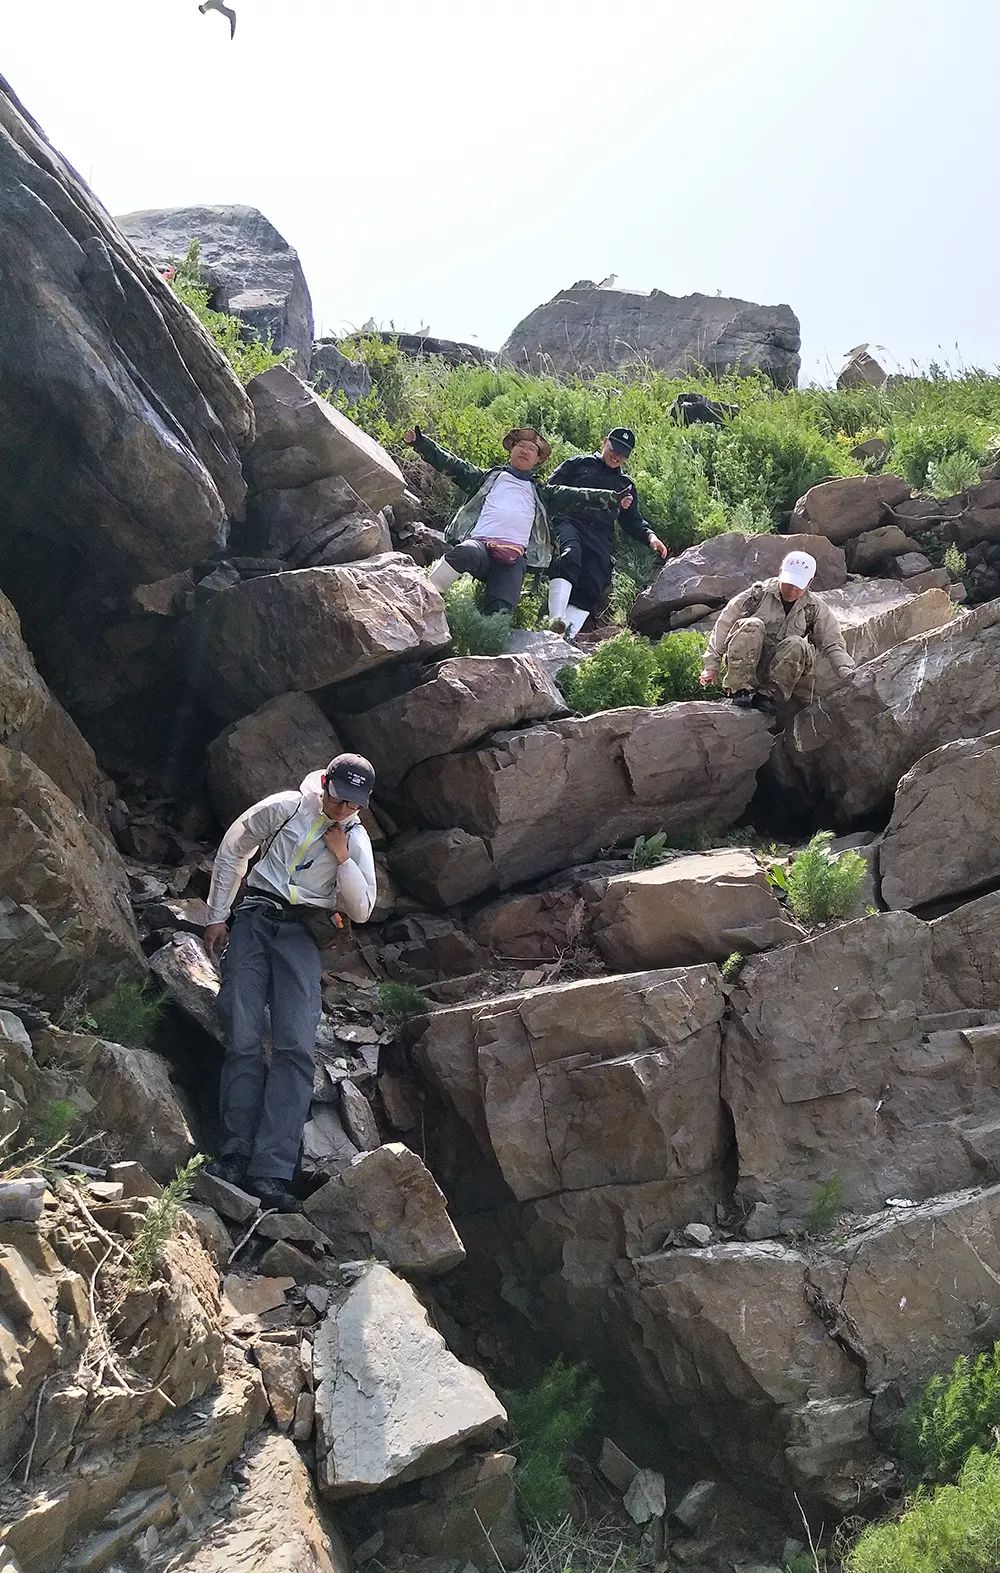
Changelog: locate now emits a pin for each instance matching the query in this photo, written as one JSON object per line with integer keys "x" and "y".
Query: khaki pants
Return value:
{"x": 753, "y": 661}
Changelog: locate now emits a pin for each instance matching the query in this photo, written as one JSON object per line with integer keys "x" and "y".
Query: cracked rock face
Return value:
{"x": 392, "y": 1402}
{"x": 948, "y": 801}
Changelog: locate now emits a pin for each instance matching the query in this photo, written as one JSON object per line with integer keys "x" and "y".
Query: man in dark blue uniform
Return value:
{"x": 581, "y": 570}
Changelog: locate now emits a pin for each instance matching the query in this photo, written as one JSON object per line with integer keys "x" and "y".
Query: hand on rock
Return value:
{"x": 216, "y": 939}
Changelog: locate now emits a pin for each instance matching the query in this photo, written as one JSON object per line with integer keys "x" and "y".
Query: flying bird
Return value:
{"x": 223, "y": 10}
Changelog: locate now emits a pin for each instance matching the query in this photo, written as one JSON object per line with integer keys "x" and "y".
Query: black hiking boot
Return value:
{"x": 233, "y": 1170}
{"x": 273, "y": 1194}
{"x": 764, "y": 703}
{"x": 744, "y": 698}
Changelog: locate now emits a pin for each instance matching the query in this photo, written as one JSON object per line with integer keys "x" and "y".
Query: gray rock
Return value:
{"x": 212, "y": 1232}
{"x": 143, "y": 418}
{"x": 301, "y": 438}
{"x": 468, "y": 1512}
{"x": 442, "y": 867}
{"x": 844, "y": 508}
{"x": 331, "y": 371}
{"x": 876, "y": 614}
{"x": 387, "y": 1204}
{"x": 552, "y": 795}
{"x": 548, "y": 650}
{"x": 358, "y": 1118}
{"x": 326, "y": 1146}
{"x": 317, "y": 525}
{"x": 224, "y": 1198}
{"x": 308, "y": 629}
{"x": 763, "y": 1222}
{"x": 854, "y": 746}
{"x": 698, "y": 1234}
{"x": 646, "y": 1497}
{"x": 861, "y": 370}
{"x": 696, "y": 1505}
{"x": 250, "y": 268}
{"x": 589, "y": 329}
{"x": 947, "y": 802}
{"x": 392, "y": 1402}
{"x": 462, "y": 701}
{"x": 189, "y": 980}
{"x": 875, "y": 547}
{"x": 912, "y": 563}
{"x": 271, "y": 750}
{"x": 723, "y": 566}
{"x": 696, "y": 908}
{"x": 616, "y": 1466}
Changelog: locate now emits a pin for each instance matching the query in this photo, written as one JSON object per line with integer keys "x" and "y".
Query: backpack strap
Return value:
{"x": 757, "y": 594}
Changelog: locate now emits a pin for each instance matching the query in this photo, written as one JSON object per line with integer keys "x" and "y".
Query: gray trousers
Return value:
{"x": 503, "y": 581}
{"x": 263, "y": 1109}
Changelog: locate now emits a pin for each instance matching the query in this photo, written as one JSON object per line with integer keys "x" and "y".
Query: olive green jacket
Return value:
{"x": 477, "y": 484}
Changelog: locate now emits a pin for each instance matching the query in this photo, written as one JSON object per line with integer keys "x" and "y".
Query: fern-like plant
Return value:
{"x": 953, "y": 1529}
{"x": 956, "y": 1412}
{"x": 953, "y": 473}
{"x": 400, "y": 1000}
{"x": 160, "y": 1224}
{"x": 473, "y": 631}
{"x": 547, "y": 1421}
{"x": 128, "y": 1015}
{"x": 819, "y": 885}
{"x": 621, "y": 671}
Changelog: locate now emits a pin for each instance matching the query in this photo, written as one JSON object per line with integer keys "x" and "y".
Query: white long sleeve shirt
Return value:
{"x": 297, "y": 865}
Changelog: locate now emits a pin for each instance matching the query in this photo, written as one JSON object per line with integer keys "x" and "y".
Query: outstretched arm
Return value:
{"x": 466, "y": 476}
{"x": 577, "y": 499}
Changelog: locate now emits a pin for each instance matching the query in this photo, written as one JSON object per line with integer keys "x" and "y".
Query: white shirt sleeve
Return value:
{"x": 356, "y": 886}
{"x": 237, "y": 847}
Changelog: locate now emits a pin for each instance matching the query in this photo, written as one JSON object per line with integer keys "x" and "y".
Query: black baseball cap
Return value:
{"x": 622, "y": 440}
{"x": 350, "y": 778}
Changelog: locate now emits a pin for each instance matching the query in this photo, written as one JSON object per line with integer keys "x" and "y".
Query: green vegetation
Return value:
{"x": 819, "y": 886}
{"x": 547, "y": 1421}
{"x": 129, "y": 1015}
{"x": 955, "y": 473}
{"x": 650, "y": 851}
{"x": 694, "y": 482}
{"x": 955, "y": 561}
{"x": 247, "y": 355}
{"x": 400, "y": 1000}
{"x": 951, "y": 1529}
{"x": 52, "y": 1126}
{"x": 473, "y": 631}
{"x": 160, "y": 1224}
{"x": 956, "y": 1412}
{"x": 827, "y": 1208}
{"x": 628, "y": 670}
{"x": 733, "y": 966}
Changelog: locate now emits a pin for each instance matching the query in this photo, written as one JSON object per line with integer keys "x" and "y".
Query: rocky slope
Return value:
{"x": 595, "y": 1140}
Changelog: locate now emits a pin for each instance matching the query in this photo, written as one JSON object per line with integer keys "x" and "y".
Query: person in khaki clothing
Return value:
{"x": 769, "y": 636}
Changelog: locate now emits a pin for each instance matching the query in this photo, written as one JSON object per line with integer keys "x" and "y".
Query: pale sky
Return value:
{"x": 456, "y": 162}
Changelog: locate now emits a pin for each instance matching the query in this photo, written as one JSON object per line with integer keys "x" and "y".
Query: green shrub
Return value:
{"x": 952, "y": 1529}
{"x": 621, "y": 671}
{"x": 547, "y": 1421}
{"x": 677, "y": 662}
{"x": 733, "y": 966}
{"x": 955, "y": 1412}
{"x": 955, "y": 561}
{"x": 819, "y": 886}
{"x": 918, "y": 445}
{"x": 649, "y": 851}
{"x": 130, "y": 1014}
{"x": 473, "y": 631}
{"x": 827, "y": 1208}
{"x": 248, "y": 356}
{"x": 53, "y": 1124}
{"x": 955, "y": 473}
{"x": 400, "y": 1000}
{"x": 160, "y": 1224}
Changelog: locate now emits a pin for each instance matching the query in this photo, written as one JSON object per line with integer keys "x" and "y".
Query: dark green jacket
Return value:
{"x": 476, "y": 484}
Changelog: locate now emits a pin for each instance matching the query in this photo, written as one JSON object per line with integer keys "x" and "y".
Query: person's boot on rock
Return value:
{"x": 315, "y": 863}
{"x": 769, "y": 637}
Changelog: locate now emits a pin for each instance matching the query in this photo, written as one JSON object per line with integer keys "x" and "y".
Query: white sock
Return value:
{"x": 559, "y": 594}
{"x": 443, "y": 574}
{"x": 575, "y": 619}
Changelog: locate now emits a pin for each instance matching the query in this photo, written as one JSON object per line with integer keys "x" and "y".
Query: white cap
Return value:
{"x": 799, "y": 569}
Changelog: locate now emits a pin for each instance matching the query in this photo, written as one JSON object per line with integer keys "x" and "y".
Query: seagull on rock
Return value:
{"x": 223, "y": 10}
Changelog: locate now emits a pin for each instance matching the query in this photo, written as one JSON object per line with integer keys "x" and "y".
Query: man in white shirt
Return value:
{"x": 315, "y": 859}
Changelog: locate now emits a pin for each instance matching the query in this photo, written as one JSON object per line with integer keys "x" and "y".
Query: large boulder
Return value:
{"x": 861, "y": 370}
{"x": 965, "y": 975}
{"x": 605, "y": 1083}
{"x": 271, "y": 750}
{"x": 392, "y": 1402}
{"x": 65, "y": 916}
{"x": 597, "y": 328}
{"x": 331, "y": 371}
{"x": 876, "y": 614}
{"x": 462, "y": 701}
{"x": 386, "y": 1204}
{"x": 468, "y": 1512}
{"x": 552, "y": 795}
{"x": 830, "y": 1069}
{"x": 941, "y": 841}
{"x": 692, "y": 909}
{"x": 131, "y": 416}
{"x": 854, "y": 746}
{"x": 714, "y": 571}
{"x": 852, "y": 506}
{"x": 310, "y": 628}
{"x": 32, "y": 719}
{"x": 316, "y": 525}
{"x": 250, "y": 268}
{"x": 302, "y": 438}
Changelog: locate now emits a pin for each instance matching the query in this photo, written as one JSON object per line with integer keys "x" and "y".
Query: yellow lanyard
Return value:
{"x": 314, "y": 832}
